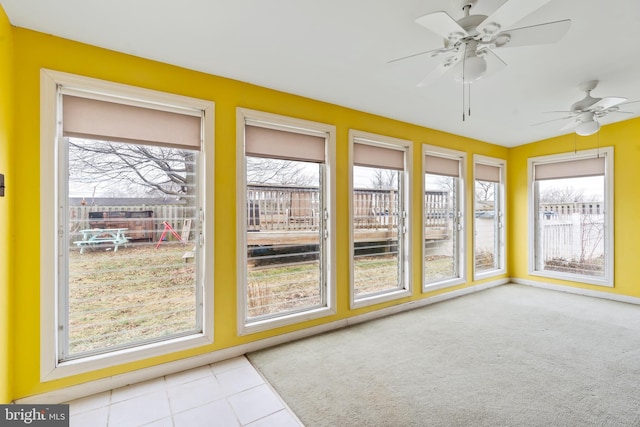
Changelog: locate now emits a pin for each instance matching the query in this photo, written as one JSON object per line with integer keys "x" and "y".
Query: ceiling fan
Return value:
{"x": 584, "y": 114}
{"x": 469, "y": 42}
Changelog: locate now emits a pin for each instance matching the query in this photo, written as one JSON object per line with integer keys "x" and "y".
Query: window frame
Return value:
{"x": 50, "y": 172}
{"x": 460, "y": 156}
{"x": 279, "y": 122}
{"x": 502, "y": 205}
{"x": 361, "y": 137}
{"x": 608, "y": 277}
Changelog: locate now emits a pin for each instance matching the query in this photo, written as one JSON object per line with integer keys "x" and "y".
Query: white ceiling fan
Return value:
{"x": 469, "y": 41}
{"x": 583, "y": 115}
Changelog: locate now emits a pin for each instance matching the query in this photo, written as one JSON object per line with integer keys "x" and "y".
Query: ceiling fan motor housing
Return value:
{"x": 585, "y": 103}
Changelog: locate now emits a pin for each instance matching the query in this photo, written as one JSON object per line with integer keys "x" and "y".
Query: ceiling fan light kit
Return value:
{"x": 471, "y": 67}
{"x": 587, "y": 128}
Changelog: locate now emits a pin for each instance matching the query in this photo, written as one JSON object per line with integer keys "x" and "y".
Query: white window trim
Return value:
{"x": 50, "y": 368}
{"x": 502, "y": 164}
{"x": 407, "y": 147}
{"x": 276, "y": 121}
{"x": 462, "y": 256}
{"x": 607, "y": 280}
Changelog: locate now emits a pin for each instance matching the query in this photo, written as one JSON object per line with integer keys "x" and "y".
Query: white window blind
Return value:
{"x": 487, "y": 173}
{"x": 378, "y": 157}
{"x": 442, "y": 166}
{"x": 94, "y": 119}
{"x": 280, "y": 144}
{"x": 570, "y": 169}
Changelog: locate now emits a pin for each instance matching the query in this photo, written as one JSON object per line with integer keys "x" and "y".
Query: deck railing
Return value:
{"x": 285, "y": 208}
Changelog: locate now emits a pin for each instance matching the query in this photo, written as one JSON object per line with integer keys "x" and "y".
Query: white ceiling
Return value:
{"x": 337, "y": 51}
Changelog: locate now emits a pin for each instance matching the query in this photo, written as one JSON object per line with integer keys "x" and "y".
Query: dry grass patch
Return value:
{"x": 138, "y": 293}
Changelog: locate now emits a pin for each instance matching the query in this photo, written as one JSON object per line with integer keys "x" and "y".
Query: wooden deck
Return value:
{"x": 274, "y": 238}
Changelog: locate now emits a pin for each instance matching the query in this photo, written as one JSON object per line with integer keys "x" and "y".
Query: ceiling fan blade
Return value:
{"x": 569, "y": 125}
{"x": 436, "y": 73}
{"x": 547, "y": 33}
{"x": 508, "y": 14}
{"x": 608, "y": 102}
{"x": 443, "y": 25}
{"x": 628, "y": 103}
{"x": 573, "y": 113}
{"x": 432, "y": 51}
{"x": 554, "y": 120}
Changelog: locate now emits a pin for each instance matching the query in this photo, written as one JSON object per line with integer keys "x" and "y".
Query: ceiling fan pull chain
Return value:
{"x": 464, "y": 57}
{"x": 463, "y": 109}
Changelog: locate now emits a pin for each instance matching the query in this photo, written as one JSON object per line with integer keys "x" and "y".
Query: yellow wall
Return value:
{"x": 625, "y": 138}
{"x": 6, "y": 206}
{"x": 23, "y": 53}
{"x": 34, "y": 51}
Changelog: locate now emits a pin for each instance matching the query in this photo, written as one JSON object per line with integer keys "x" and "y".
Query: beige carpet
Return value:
{"x": 507, "y": 356}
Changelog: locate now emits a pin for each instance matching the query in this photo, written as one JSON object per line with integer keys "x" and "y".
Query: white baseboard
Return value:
{"x": 578, "y": 291}
{"x": 104, "y": 384}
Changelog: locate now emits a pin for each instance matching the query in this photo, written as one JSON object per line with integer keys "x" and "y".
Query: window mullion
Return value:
{"x": 62, "y": 225}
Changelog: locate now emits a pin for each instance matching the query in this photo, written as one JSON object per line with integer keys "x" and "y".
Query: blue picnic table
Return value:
{"x": 94, "y": 236}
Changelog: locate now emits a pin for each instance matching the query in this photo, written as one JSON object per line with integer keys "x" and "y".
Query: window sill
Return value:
{"x": 392, "y": 295}
{"x": 489, "y": 274}
{"x": 589, "y": 280}
{"x": 250, "y": 327}
{"x": 106, "y": 360}
{"x": 434, "y": 286}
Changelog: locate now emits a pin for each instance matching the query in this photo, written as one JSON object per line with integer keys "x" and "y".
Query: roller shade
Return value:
{"x": 111, "y": 121}
{"x": 487, "y": 173}
{"x": 377, "y": 157}
{"x": 442, "y": 166}
{"x": 280, "y": 144}
{"x": 570, "y": 169}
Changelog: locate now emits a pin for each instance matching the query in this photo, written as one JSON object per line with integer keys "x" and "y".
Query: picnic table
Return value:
{"x": 94, "y": 236}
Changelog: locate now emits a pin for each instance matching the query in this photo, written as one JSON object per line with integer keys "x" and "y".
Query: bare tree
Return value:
{"x": 485, "y": 191}
{"x": 591, "y": 236}
{"x": 566, "y": 194}
{"x": 118, "y": 169}
{"x": 132, "y": 168}
{"x": 384, "y": 178}
{"x": 278, "y": 172}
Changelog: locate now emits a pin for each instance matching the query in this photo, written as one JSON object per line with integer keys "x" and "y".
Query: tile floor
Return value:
{"x": 227, "y": 394}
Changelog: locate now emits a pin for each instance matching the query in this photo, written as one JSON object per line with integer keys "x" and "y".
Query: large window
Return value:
{"x": 379, "y": 218}
{"x": 443, "y": 217}
{"x": 285, "y": 220}
{"x": 571, "y": 233}
{"x": 124, "y": 213}
{"x": 489, "y": 217}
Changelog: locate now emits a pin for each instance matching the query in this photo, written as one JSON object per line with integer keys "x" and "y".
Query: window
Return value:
{"x": 443, "y": 217}
{"x": 379, "y": 218}
{"x": 571, "y": 234}
{"x": 124, "y": 174}
{"x": 285, "y": 220}
{"x": 489, "y": 217}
